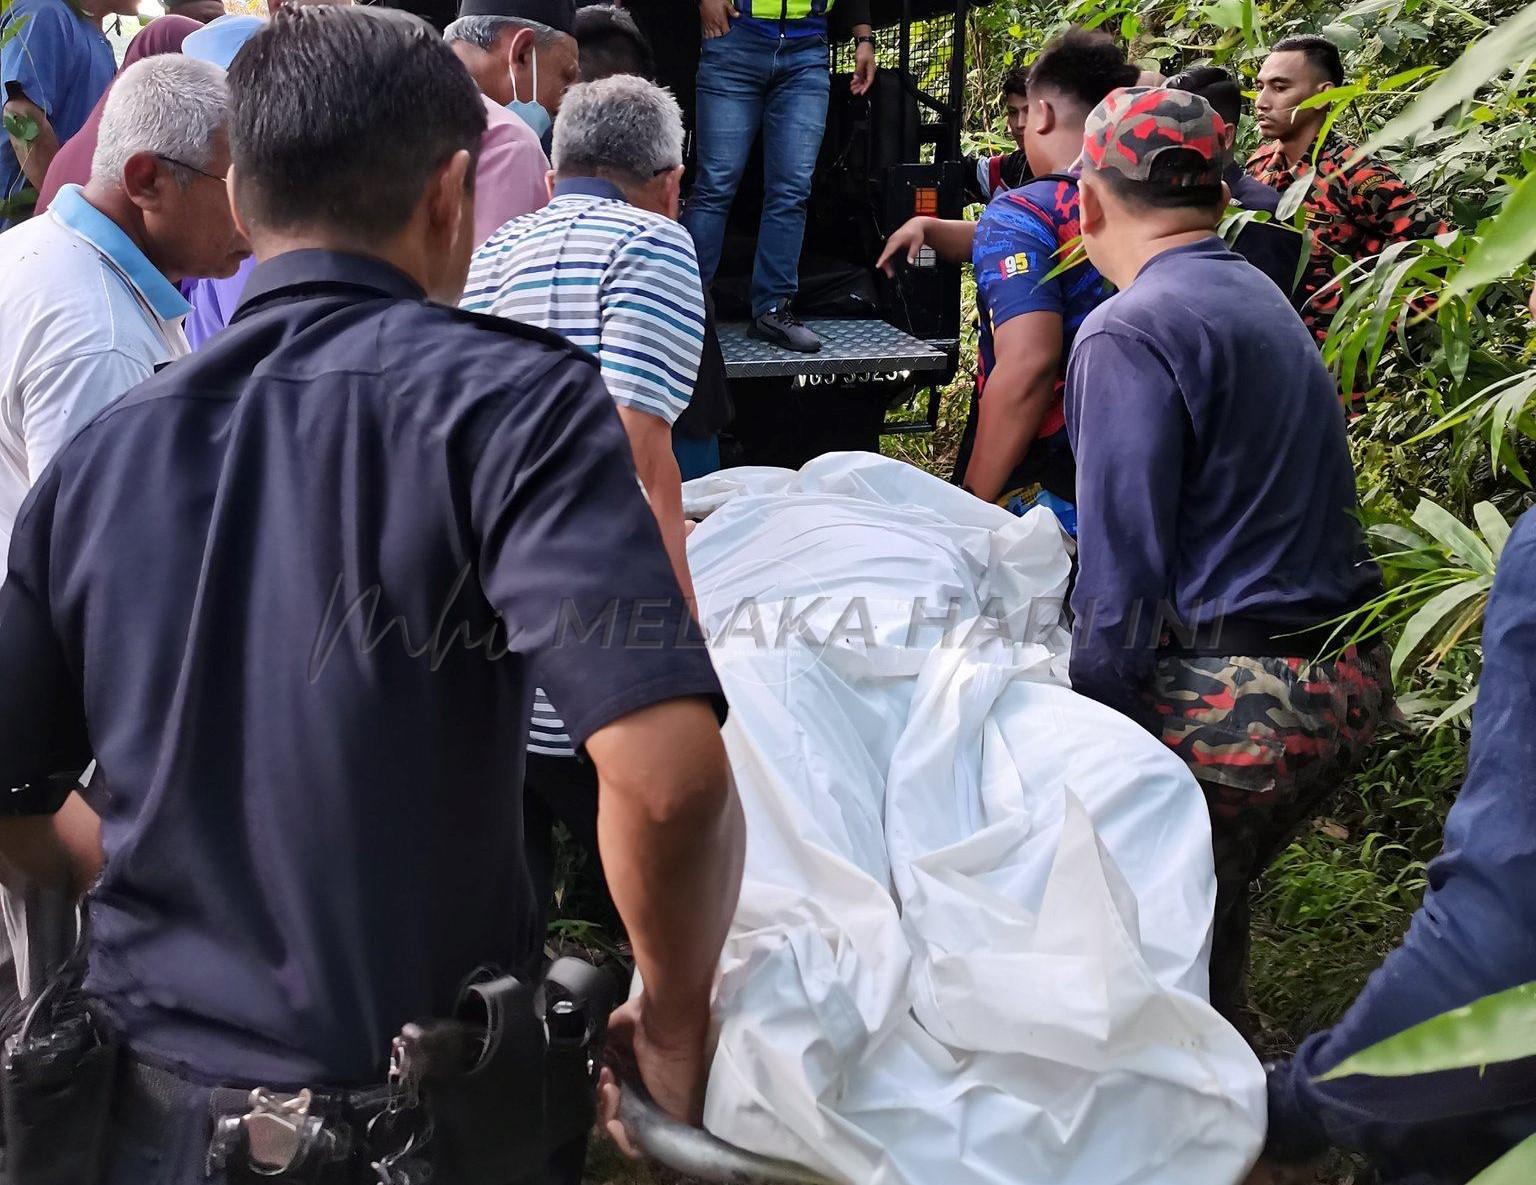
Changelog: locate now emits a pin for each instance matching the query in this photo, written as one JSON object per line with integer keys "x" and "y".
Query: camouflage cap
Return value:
{"x": 1133, "y": 126}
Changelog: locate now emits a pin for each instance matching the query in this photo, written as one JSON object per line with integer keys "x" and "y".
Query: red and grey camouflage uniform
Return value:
{"x": 1269, "y": 740}
{"x": 1357, "y": 208}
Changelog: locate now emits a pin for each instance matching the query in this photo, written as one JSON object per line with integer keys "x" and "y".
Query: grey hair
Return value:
{"x": 622, "y": 125}
{"x": 483, "y": 31}
{"x": 169, "y": 105}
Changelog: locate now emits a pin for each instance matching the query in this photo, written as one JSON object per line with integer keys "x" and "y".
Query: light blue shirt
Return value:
{"x": 84, "y": 316}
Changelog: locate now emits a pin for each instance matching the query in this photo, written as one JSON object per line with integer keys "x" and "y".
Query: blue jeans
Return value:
{"x": 748, "y": 81}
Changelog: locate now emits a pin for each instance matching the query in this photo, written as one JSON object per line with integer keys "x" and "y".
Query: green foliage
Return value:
{"x": 1337, "y": 900}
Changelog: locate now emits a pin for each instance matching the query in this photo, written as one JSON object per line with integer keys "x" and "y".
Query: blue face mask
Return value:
{"x": 531, "y": 111}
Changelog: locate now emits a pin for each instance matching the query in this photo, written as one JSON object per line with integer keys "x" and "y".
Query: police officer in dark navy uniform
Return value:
{"x": 290, "y": 594}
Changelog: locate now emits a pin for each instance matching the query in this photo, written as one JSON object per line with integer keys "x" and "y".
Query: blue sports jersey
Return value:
{"x": 1023, "y": 236}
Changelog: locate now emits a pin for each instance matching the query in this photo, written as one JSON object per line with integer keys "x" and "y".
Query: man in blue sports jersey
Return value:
{"x": 1014, "y": 450}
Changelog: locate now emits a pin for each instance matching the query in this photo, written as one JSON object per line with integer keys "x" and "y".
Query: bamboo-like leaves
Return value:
{"x": 1484, "y": 61}
{"x": 1505, "y": 243}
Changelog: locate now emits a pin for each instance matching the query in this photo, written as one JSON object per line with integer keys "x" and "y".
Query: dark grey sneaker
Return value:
{"x": 780, "y": 326}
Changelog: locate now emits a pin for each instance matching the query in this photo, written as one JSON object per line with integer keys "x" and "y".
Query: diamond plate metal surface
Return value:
{"x": 848, "y": 347}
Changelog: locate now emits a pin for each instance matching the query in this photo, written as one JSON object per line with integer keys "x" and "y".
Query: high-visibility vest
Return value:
{"x": 790, "y": 10}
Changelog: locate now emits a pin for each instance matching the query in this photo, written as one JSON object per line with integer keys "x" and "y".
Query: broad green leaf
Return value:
{"x": 1509, "y": 241}
{"x": 1454, "y": 535}
{"x": 1346, "y": 37}
{"x": 1493, "y": 525}
{"x": 21, "y": 127}
{"x": 1515, "y": 1167}
{"x": 1402, "y": 78}
{"x": 1367, "y": 8}
{"x": 1404, "y": 537}
{"x": 1431, "y": 614}
{"x": 1225, "y": 14}
{"x": 1482, "y": 62}
{"x": 1497, "y": 1028}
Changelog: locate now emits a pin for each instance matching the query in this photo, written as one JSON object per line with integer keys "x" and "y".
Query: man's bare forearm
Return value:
{"x": 950, "y": 238}
{"x": 664, "y": 484}
{"x": 60, "y": 851}
{"x": 1007, "y": 422}
{"x": 672, "y": 839}
{"x": 650, "y": 443}
{"x": 34, "y": 155}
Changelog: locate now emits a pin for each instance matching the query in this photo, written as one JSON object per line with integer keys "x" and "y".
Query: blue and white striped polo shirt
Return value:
{"x": 619, "y": 282}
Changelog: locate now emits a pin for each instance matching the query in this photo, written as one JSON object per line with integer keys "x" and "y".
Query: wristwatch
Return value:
{"x": 864, "y": 39}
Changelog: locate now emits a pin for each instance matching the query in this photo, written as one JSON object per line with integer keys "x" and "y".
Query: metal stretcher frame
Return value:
{"x": 697, "y": 1154}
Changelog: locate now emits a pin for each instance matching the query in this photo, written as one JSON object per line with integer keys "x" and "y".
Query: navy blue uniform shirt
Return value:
{"x": 1213, "y": 473}
{"x": 1474, "y": 935}
{"x": 289, "y": 593}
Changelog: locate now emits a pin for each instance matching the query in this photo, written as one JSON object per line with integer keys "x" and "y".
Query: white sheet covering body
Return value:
{"x": 972, "y": 936}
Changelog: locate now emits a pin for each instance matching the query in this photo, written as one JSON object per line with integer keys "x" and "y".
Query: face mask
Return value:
{"x": 530, "y": 111}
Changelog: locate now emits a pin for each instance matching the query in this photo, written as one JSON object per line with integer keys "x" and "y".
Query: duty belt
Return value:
{"x": 305, "y": 1135}
{"x": 482, "y": 1098}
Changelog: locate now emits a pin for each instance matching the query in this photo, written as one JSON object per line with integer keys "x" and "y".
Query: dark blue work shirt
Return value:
{"x": 289, "y": 592}
{"x": 1213, "y": 474}
{"x": 1474, "y": 935}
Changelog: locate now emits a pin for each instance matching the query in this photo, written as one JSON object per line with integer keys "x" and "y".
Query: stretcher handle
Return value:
{"x": 695, "y": 1153}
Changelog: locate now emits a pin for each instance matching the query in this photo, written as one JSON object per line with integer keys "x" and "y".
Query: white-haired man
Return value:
{"x": 88, "y": 298}
{"x": 88, "y": 295}
{"x": 630, "y": 293}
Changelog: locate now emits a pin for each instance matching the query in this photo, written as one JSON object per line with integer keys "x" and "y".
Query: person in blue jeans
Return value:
{"x": 765, "y": 65}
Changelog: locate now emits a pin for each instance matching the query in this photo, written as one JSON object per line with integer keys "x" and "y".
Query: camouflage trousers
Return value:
{"x": 1270, "y": 740}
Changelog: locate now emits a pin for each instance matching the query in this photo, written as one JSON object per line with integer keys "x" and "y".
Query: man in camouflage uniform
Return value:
{"x": 1357, "y": 206}
{"x": 1208, "y": 571}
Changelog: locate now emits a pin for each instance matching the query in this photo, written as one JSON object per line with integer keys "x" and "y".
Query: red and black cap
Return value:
{"x": 1134, "y": 126}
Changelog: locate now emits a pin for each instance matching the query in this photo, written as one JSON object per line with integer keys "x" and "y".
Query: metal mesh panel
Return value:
{"x": 850, "y": 347}
{"x": 933, "y": 44}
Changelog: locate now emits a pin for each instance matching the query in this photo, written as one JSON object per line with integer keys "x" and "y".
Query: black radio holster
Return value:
{"x": 57, "y": 1075}
{"x": 513, "y": 1076}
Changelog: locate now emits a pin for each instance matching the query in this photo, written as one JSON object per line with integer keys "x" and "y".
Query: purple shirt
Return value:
{"x": 214, "y": 302}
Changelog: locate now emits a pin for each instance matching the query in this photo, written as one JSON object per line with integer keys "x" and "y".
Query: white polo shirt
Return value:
{"x": 84, "y": 316}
